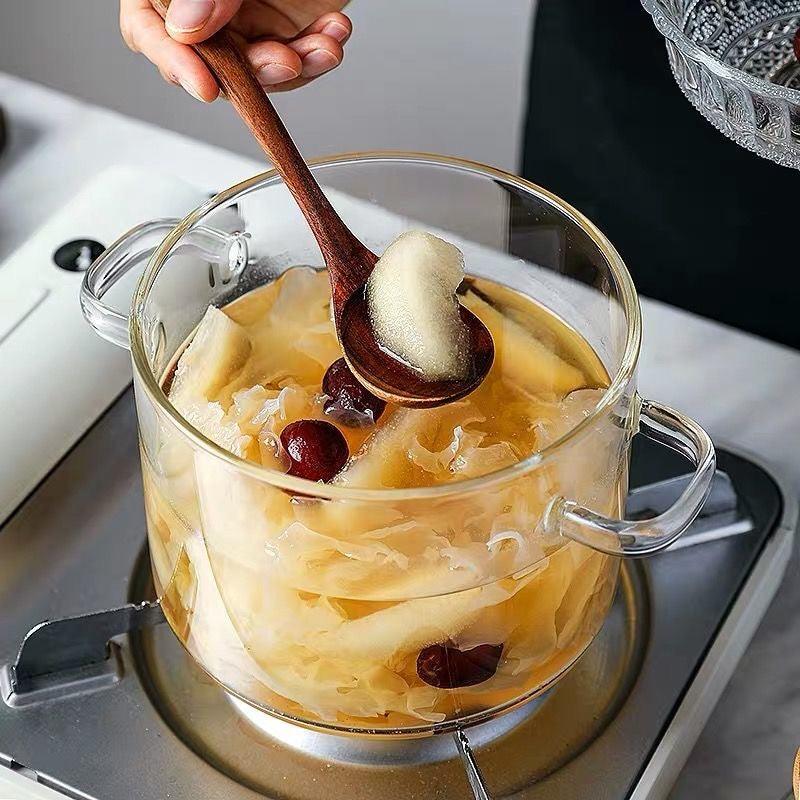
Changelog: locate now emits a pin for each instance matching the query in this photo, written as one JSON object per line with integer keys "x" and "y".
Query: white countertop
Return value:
{"x": 744, "y": 390}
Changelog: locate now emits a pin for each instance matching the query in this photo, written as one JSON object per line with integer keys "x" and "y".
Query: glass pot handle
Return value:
{"x": 643, "y": 537}
{"x": 133, "y": 249}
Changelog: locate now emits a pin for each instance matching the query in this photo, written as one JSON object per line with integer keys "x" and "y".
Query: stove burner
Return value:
{"x": 619, "y": 724}
{"x": 514, "y": 751}
{"x": 360, "y": 750}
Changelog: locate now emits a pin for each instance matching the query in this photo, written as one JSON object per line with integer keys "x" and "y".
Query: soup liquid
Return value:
{"x": 396, "y": 613}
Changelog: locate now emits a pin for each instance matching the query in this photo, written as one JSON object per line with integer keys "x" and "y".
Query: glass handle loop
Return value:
{"x": 633, "y": 538}
{"x": 134, "y": 249}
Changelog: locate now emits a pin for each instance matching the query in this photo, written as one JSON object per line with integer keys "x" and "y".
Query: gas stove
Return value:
{"x": 621, "y": 722}
{"x": 138, "y": 719}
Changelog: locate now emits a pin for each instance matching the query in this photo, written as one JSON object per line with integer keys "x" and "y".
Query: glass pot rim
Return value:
{"x": 620, "y": 380}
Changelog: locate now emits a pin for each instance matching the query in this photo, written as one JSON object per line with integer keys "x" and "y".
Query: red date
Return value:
{"x": 447, "y": 667}
{"x": 348, "y": 401}
{"x": 317, "y": 450}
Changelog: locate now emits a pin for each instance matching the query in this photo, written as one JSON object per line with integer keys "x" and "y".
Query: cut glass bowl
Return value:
{"x": 735, "y": 63}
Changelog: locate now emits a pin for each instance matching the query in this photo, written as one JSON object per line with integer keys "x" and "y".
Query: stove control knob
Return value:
{"x": 77, "y": 255}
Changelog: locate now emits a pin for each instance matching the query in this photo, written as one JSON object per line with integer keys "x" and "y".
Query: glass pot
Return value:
{"x": 316, "y": 602}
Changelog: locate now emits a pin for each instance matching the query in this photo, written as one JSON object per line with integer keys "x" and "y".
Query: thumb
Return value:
{"x": 192, "y": 21}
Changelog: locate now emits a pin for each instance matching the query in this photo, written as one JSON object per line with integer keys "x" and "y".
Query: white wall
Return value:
{"x": 438, "y": 75}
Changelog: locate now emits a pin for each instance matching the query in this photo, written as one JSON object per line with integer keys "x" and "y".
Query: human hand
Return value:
{"x": 288, "y": 42}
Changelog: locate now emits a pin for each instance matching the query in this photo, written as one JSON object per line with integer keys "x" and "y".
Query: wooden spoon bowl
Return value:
{"x": 348, "y": 261}
{"x": 391, "y": 379}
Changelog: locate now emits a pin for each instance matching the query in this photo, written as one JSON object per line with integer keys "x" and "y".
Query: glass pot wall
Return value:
{"x": 317, "y": 602}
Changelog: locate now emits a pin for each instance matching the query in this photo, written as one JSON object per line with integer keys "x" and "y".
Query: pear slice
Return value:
{"x": 521, "y": 357}
{"x": 219, "y": 349}
{"x": 384, "y": 459}
{"x": 289, "y": 324}
{"x": 404, "y": 628}
{"x": 239, "y": 514}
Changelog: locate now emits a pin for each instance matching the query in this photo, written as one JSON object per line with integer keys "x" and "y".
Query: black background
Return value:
{"x": 701, "y": 222}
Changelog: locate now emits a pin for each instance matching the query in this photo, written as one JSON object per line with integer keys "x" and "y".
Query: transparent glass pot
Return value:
{"x": 314, "y": 602}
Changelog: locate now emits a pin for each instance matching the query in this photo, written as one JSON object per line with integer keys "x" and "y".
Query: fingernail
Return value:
{"x": 336, "y": 31}
{"x": 191, "y": 90}
{"x": 317, "y": 62}
{"x": 271, "y": 74}
{"x": 187, "y": 16}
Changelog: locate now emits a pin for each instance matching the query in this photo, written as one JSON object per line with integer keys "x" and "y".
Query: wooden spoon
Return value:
{"x": 348, "y": 261}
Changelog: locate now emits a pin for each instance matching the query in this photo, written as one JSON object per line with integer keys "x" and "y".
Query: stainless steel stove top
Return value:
{"x": 619, "y": 725}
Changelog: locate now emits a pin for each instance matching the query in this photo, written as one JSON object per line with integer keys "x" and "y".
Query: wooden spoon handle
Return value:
{"x": 226, "y": 62}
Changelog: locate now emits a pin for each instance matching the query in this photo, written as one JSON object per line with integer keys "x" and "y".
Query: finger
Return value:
{"x": 288, "y": 85}
{"x": 144, "y": 32}
{"x": 126, "y": 16}
{"x": 333, "y": 24}
{"x": 282, "y": 20}
{"x": 192, "y": 21}
{"x": 274, "y": 63}
{"x": 319, "y": 53}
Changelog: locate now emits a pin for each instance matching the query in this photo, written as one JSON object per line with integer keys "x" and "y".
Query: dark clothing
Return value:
{"x": 701, "y": 222}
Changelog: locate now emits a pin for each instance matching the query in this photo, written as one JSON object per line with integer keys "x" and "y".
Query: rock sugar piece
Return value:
{"x": 413, "y": 308}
